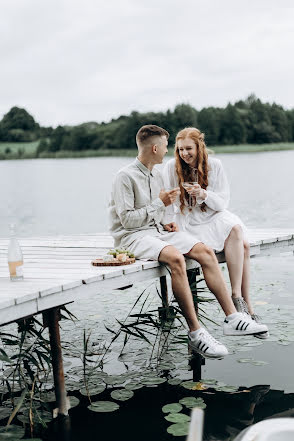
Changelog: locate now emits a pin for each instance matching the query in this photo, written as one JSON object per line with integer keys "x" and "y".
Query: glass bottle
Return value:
{"x": 15, "y": 259}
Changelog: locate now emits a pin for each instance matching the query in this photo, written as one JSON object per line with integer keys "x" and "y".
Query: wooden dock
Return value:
{"x": 57, "y": 270}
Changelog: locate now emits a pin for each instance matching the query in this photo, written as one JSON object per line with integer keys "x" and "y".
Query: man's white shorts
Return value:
{"x": 152, "y": 243}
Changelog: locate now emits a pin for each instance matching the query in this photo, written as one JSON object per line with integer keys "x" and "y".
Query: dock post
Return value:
{"x": 163, "y": 291}
{"x": 192, "y": 279}
{"x": 196, "y": 362}
{"x": 166, "y": 313}
{"x": 51, "y": 319}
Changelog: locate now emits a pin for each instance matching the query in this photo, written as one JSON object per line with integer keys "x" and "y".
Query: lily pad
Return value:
{"x": 39, "y": 417}
{"x": 177, "y": 418}
{"x": 122, "y": 394}
{"x": 172, "y": 408}
{"x": 188, "y": 384}
{"x": 93, "y": 390}
{"x": 133, "y": 386}
{"x": 179, "y": 429}
{"x": 114, "y": 379}
{"x": 166, "y": 366}
{"x": 209, "y": 381}
{"x": 191, "y": 402}
{"x": 103, "y": 406}
{"x": 49, "y": 397}
{"x": 245, "y": 360}
{"x": 227, "y": 388}
{"x": 259, "y": 363}
{"x": 152, "y": 381}
{"x": 11, "y": 432}
{"x": 174, "y": 381}
{"x": 72, "y": 385}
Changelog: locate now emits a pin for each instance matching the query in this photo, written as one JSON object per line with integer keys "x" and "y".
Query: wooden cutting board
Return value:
{"x": 114, "y": 262}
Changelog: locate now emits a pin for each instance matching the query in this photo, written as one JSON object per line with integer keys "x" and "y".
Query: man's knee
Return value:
{"x": 172, "y": 257}
{"x": 178, "y": 262}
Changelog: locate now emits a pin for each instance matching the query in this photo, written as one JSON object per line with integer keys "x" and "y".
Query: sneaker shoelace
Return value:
{"x": 209, "y": 338}
{"x": 242, "y": 305}
{"x": 256, "y": 318}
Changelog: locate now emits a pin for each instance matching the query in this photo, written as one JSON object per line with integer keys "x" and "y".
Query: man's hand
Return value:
{"x": 169, "y": 197}
{"x": 171, "y": 227}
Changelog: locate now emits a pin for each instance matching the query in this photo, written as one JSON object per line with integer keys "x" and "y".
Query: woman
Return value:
{"x": 202, "y": 210}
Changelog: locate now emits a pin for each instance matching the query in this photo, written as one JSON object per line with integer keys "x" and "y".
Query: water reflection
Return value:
{"x": 227, "y": 414}
{"x": 141, "y": 417}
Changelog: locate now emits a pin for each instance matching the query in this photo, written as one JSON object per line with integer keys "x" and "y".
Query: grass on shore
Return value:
{"x": 17, "y": 148}
{"x": 27, "y": 150}
{"x": 248, "y": 148}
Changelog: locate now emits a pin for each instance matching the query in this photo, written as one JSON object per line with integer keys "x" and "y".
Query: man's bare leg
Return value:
{"x": 180, "y": 284}
{"x": 213, "y": 276}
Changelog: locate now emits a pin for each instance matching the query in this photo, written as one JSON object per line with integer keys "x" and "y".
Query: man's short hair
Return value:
{"x": 146, "y": 132}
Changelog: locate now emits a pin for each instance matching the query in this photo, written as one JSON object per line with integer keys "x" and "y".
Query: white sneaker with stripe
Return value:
{"x": 241, "y": 306}
{"x": 203, "y": 343}
{"x": 242, "y": 324}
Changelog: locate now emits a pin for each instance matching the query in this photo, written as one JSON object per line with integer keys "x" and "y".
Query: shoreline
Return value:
{"x": 15, "y": 154}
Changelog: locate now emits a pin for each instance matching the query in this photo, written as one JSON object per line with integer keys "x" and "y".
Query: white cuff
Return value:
{"x": 200, "y": 200}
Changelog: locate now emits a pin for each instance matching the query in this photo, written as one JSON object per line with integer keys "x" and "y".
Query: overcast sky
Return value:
{"x": 72, "y": 61}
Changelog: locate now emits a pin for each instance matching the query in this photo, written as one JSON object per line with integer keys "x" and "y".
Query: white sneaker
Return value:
{"x": 241, "y": 306}
{"x": 243, "y": 324}
{"x": 206, "y": 345}
{"x": 262, "y": 335}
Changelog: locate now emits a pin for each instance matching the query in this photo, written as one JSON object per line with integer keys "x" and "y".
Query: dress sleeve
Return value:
{"x": 131, "y": 217}
{"x": 218, "y": 190}
{"x": 170, "y": 181}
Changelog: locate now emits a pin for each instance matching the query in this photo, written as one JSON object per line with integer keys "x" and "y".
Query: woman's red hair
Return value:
{"x": 183, "y": 171}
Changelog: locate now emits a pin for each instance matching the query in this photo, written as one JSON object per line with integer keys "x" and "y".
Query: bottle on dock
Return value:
{"x": 15, "y": 259}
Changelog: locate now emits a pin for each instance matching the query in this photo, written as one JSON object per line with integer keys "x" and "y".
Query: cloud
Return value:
{"x": 68, "y": 62}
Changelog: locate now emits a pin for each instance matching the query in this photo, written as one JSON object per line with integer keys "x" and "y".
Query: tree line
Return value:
{"x": 247, "y": 121}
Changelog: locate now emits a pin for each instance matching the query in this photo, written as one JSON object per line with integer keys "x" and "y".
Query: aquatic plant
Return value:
{"x": 26, "y": 373}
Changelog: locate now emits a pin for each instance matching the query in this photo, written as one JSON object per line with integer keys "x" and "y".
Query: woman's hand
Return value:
{"x": 196, "y": 191}
{"x": 172, "y": 227}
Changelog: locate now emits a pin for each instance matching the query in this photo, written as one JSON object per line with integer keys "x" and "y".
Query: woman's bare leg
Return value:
{"x": 245, "y": 287}
{"x": 234, "y": 252}
{"x": 213, "y": 276}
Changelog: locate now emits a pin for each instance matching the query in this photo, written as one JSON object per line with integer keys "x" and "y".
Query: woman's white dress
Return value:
{"x": 214, "y": 225}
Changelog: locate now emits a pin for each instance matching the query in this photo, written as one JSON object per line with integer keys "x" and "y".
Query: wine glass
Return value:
{"x": 191, "y": 184}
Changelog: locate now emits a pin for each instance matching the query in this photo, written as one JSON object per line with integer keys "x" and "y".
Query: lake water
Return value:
{"x": 70, "y": 197}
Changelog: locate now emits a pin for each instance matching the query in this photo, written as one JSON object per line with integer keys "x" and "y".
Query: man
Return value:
{"x": 137, "y": 209}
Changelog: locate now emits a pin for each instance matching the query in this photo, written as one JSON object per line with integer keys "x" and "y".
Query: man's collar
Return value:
{"x": 142, "y": 167}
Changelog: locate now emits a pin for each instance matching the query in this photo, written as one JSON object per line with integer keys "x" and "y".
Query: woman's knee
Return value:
{"x": 236, "y": 233}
